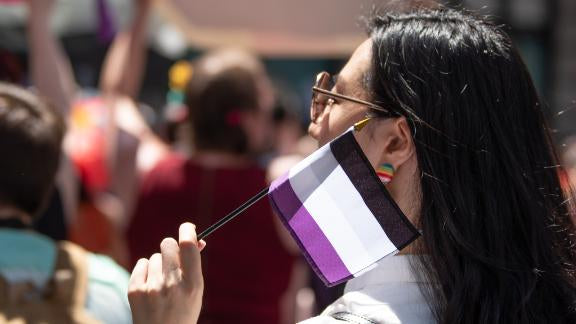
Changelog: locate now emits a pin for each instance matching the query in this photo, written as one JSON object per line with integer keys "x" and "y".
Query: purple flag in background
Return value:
{"x": 106, "y": 28}
{"x": 339, "y": 212}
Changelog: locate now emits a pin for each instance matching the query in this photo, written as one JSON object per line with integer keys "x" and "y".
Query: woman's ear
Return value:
{"x": 395, "y": 142}
{"x": 389, "y": 141}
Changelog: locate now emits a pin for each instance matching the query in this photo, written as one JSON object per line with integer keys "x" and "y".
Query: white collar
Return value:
{"x": 391, "y": 269}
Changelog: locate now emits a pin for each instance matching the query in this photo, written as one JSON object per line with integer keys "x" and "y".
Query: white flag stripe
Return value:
{"x": 305, "y": 180}
{"x": 305, "y": 164}
{"x": 348, "y": 200}
{"x": 336, "y": 228}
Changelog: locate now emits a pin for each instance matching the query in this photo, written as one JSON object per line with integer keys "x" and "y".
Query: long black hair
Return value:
{"x": 498, "y": 241}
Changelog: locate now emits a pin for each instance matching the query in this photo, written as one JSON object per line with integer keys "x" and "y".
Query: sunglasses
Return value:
{"x": 323, "y": 97}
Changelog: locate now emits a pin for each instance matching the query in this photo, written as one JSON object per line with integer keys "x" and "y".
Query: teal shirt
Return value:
{"x": 29, "y": 256}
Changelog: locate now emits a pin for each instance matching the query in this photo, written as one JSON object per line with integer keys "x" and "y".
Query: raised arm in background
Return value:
{"x": 52, "y": 76}
{"x": 125, "y": 62}
{"x": 121, "y": 78}
{"x": 126, "y": 133}
{"x": 50, "y": 69}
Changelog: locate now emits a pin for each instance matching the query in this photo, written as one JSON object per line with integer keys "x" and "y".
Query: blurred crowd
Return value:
{"x": 100, "y": 187}
{"x": 107, "y": 188}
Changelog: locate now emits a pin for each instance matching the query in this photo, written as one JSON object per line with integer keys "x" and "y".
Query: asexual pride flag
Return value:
{"x": 339, "y": 212}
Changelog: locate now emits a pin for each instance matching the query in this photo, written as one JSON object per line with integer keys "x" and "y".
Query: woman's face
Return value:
{"x": 338, "y": 116}
{"x": 383, "y": 140}
{"x": 341, "y": 114}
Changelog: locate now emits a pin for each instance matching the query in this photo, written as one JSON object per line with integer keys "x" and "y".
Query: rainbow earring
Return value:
{"x": 385, "y": 172}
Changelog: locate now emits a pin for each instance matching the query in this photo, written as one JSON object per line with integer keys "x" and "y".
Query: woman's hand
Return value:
{"x": 168, "y": 287}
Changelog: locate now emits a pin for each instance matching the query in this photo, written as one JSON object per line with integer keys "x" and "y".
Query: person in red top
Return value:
{"x": 246, "y": 265}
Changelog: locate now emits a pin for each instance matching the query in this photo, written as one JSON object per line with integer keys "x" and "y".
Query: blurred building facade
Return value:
{"x": 545, "y": 32}
{"x": 299, "y": 38}
{"x": 565, "y": 66}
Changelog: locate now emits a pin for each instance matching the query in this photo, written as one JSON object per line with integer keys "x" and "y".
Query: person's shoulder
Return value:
{"x": 343, "y": 317}
{"x": 389, "y": 293}
{"x": 100, "y": 268}
{"x": 255, "y": 170}
{"x": 321, "y": 319}
{"x": 104, "y": 270}
{"x": 105, "y": 283}
{"x": 170, "y": 171}
{"x": 171, "y": 162}
{"x": 391, "y": 303}
{"x": 251, "y": 176}
{"x": 107, "y": 290}
{"x": 251, "y": 169}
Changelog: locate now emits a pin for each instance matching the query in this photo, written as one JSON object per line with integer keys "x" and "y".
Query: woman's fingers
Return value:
{"x": 201, "y": 245}
{"x": 168, "y": 288}
{"x": 139, "y": 275}
{"x": 170, "y": 261}
{"x": 155, "y": 277}
{"x": 190, "y": 256}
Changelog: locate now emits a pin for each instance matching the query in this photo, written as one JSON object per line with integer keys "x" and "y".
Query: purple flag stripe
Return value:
{"x": 355, "y": 164}
{"x": 278, "y": 182}
{"x": 284, "y": 198}
{"x": 106, "y": 24}
{"x": 326, "y": 261}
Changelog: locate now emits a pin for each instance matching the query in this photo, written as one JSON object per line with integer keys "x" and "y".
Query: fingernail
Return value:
{"x": 187, "y": 230}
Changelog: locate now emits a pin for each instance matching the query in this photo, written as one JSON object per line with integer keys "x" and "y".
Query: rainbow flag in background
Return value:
{"x": 339, "y": 212}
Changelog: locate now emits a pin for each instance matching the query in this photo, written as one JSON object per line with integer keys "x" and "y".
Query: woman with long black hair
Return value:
{"x": 463, "y": 129}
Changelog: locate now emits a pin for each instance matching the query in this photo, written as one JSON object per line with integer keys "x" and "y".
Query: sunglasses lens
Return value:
{"x": 318, "y": 99}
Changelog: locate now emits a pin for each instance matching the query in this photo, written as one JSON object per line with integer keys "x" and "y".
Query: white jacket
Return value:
{"x": 387, "y": 294}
